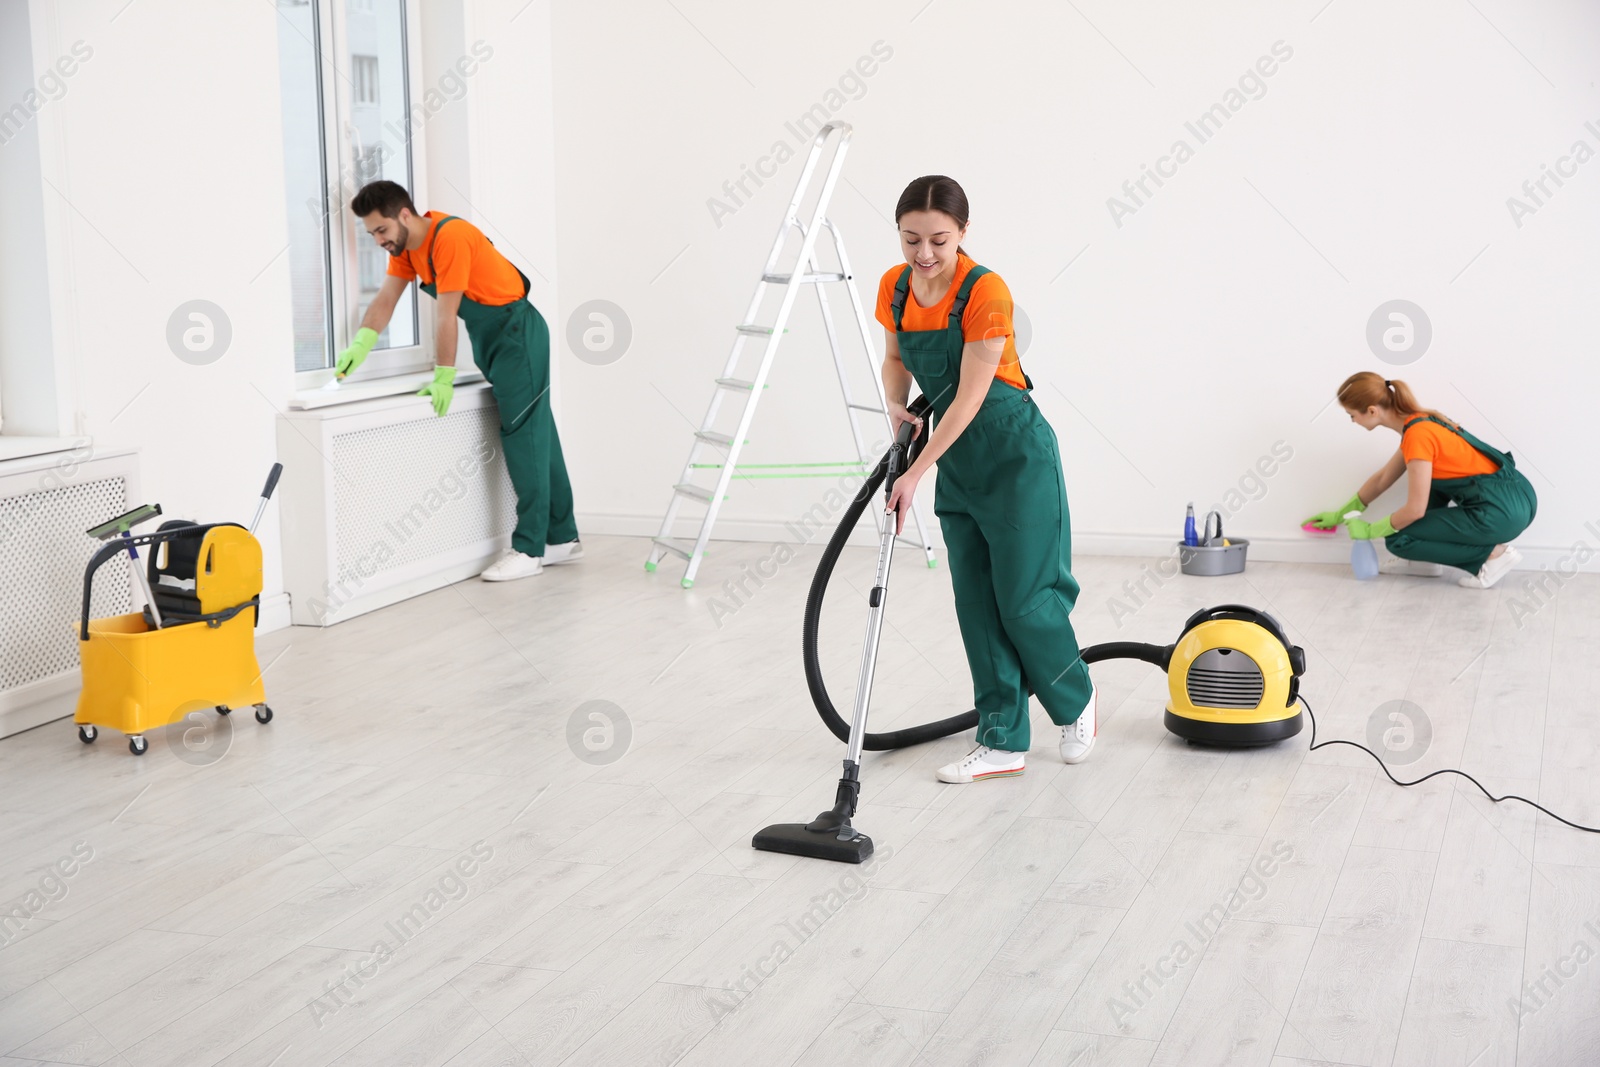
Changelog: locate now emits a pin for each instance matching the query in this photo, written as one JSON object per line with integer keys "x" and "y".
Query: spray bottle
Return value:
{"x": 1363, "y": 554}
{"x": 1190, "y": 536}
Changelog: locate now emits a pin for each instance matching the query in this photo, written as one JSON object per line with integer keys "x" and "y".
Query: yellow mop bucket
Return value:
{"x": 194, "y": 645}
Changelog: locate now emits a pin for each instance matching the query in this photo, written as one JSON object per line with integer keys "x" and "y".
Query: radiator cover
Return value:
{"x": 46, "y": 504}
{"x": 383, "y": 500}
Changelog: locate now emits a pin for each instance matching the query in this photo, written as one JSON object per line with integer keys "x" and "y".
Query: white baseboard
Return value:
{"x": 38, "y": 702}
{"x": 760, "y": 531}
{"x": 1562, "y": 560}
{"x": 274, "y": 613}
{"x": 1262, "y": 549}
{"x": 401, "y": 583}
{"x": 1299, "y": 548}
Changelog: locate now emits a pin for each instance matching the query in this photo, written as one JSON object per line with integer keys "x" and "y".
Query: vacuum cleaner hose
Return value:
{"x": 1158, "y": 655}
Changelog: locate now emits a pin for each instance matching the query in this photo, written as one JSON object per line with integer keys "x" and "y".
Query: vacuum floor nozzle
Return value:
{"x": 796, "y": 840}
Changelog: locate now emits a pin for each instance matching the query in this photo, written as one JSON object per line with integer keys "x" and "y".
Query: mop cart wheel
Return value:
{"x": 138, "y": 745}
{"x": 223, "y": 709}
{"x": 87, "y": 734}
{"x": 263, "y": 714}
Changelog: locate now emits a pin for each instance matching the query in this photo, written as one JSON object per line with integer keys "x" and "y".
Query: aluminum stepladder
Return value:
{"x": 804, "y": 272}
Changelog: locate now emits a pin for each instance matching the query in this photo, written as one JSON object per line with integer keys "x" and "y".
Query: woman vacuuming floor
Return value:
{"x": 1000, "y": 498}
{"x": 1444, "y": 465}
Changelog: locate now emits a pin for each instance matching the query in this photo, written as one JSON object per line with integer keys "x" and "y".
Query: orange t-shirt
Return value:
{"x": 987, "y": 314}
{"x": 467, "y": 263}
{"x": 1449, "y": 453}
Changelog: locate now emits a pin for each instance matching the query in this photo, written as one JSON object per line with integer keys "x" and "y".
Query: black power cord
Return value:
{"x": 1435, "y": 774}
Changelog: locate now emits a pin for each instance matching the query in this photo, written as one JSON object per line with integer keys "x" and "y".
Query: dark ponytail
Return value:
{"x": 935, "y": 192}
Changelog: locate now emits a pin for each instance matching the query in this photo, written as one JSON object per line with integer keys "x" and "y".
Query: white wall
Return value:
{"x": 1181, "y": 345}
{"x": 164, "y": 184}
{"x": 1214, "y": 322}
{"x": 166, "y": 149}
{"x": 510, "y": 147}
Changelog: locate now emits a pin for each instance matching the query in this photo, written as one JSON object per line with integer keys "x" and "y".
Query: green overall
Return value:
{"x": 511, "y": 346}
{"x": 1002, "y": 504}
{"x": 1490, "y": 510}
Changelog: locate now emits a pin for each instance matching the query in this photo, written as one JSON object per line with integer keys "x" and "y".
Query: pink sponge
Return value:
{"x": 1312, "y": 529}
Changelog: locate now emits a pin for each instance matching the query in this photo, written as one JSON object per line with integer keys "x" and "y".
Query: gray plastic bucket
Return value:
{"x": 1205, "y": 561}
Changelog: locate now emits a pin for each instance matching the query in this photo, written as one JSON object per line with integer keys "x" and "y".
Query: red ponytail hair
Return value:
{"x": 1365, "y": 389}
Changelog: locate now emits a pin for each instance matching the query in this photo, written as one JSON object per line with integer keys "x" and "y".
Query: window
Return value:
{"x": 343, "y": 71}
{"x": 35, "y": 388}
{"x": 365, "y": 70}
{"x": 374, "y": 265}
{"x": 368, "y": 165}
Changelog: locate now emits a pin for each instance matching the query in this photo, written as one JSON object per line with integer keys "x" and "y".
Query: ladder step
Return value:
{"x": 694, "y": 492}
{"x": 755, "y": 330}
{"x": 711, "y": 437}
{"x": 867, "y": 407}
{"x": 736, "y": 383}
{"x": 662, "y": 542}
{"x": 784, "y": 279}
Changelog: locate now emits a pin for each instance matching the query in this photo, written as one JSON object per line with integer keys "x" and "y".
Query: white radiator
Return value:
{"x": 46, "y": 504}
{"x": 383, "y": 500}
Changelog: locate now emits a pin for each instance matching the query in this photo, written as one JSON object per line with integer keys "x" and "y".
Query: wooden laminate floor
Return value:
{"x": 510, "y": 824}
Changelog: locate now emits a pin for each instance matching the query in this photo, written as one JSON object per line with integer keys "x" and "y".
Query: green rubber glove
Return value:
{"x": 1362, "y": 530}
{"x": 1327, "y": 520}
{"x": 356, "y": 354}
{"x": 441, "y": 389}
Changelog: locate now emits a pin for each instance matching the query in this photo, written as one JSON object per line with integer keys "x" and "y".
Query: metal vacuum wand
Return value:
{"x": 849, "y": 793}
{"x": 830, "y": 836}
{"x": 880, "y": 594}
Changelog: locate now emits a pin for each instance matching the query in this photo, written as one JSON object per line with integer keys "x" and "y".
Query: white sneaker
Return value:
{"x": 570, "y": 552}
{"x": 982, "y": 762}
{"x": 1077, "y": 738}
{"x": 513, "y": 565}
{"x": 1415, "y": 567}
{"x": 1492, "y": 571}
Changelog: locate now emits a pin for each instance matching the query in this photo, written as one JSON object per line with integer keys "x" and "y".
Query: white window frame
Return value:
{"x": 336, "y": 90}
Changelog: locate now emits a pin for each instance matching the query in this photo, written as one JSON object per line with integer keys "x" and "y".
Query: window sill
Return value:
{"x": 24, "y": 447}
{"x": 321, "y": 396}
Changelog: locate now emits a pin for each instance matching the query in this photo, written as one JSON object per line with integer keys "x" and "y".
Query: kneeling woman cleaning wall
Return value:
{"x": 1443, "y": 465}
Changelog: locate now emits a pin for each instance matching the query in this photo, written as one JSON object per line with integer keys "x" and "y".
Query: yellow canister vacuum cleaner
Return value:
{"x": 1233, "y": 678}
{"x": 193, "y": 644}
